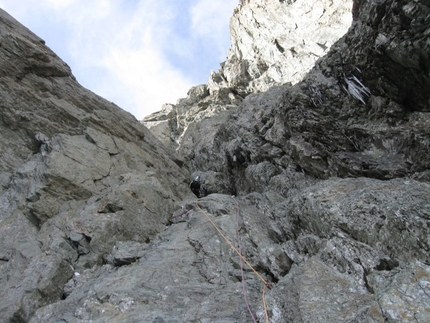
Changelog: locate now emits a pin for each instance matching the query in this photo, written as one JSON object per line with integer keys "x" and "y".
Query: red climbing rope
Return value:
{"x": 179, "y": 215}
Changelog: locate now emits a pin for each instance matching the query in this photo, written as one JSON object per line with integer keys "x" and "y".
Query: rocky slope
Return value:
{"x": 330, "y": 178}
{"x": 77, "y": 175}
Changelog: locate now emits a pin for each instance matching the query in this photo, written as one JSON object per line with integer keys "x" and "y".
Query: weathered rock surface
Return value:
{"x": 276, "y": 42}
{"x": 78, "y": 175}
{"x": 361, "y": 114}
{"x": 330, "y": 177}
{"x": 320, "y": 269}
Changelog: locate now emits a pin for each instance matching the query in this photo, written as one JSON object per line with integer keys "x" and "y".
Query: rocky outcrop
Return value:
{"x": 272, "y": 43}
{"x": 322, "y": 186}
{"x": 77, "y": 174}
{"x": 326, "y": 258}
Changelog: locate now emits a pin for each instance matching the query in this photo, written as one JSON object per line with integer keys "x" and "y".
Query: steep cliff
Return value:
{"x": 276, "y": 42}
{"x": 323, "y": 186}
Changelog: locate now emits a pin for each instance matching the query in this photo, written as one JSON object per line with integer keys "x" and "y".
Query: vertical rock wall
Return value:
{"x": 276, "y": 42}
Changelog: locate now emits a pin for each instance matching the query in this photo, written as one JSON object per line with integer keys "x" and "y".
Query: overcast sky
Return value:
{"x": 138, "y": 54}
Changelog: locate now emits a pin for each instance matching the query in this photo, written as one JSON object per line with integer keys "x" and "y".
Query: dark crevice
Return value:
{"x": 279, "y": 47}
{"x": 273, "y": 279}
{"x": 387, "y": 264}
{"x": 18, "y": 317}
{"x": 365, "y": 274}
{"x": 80, "y": 243}
{"x": 268, "y": 272}
{"x": 366, "y": 282}
{"x": 119, "y": 262}
{"x": 110, "y": 208}
{"x": 3, "y": 260}
{"x": 34, "y": 220}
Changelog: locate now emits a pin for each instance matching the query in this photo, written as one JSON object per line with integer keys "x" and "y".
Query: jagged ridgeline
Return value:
{"x": 308, "y": 150}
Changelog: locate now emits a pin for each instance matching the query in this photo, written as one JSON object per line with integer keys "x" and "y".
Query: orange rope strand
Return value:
{"x": 266, "y": 284}
{"x": 239, "y": 245}
{"x": 264, "y": 304}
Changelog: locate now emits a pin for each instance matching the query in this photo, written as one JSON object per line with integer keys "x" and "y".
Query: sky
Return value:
{"x": 138, "y": 54}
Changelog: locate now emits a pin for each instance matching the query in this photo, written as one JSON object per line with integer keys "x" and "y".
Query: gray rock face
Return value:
{"x": 320, "y": 126}
{"x": 360, "y": 114}
{"x": 320, "y": 269}
{"x": 174, "y": 121}
{"x": 78, "y": 175}
{"x": 331, "y": 204}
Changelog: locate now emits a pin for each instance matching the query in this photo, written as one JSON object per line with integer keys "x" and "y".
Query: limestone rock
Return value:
{"x": 400, "y": 214}
{"x": 173, "y": 121}
{"x": 403, "y": 299}
{"x": 126, "y": 253}
{"x": 276, "y": 42}
{"x": 320, "y": 126}
{"x": 346, "y": 150}
{"x": 190, "y": 272}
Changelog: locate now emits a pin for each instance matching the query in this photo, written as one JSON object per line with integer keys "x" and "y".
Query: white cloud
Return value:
{"x": 123, "y": 49}
{"x": 209, "y": 20}
{"x": 59, "y": 4}
{"x": 128, "y": 45}
{"x": 149, "y": 79}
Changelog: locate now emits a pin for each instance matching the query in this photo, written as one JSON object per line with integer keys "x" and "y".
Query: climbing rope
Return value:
{"x": 238, "y": 229}
{"x": 266, "y": 284}
{"x": 180, "y": 215}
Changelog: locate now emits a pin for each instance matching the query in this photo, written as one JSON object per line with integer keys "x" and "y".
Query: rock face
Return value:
{"x": 78, "y": 175}
{"x": 322, "y": 186}
{"x": 276, "y": 42}
{"x": 361, "y": 111}
{"x": 273, "y": 42}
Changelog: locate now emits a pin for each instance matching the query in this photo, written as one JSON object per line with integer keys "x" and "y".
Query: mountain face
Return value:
{"x": 321, "y": 180}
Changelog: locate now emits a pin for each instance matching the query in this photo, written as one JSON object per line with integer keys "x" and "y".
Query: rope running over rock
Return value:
{"x": 239, "y": 245}
{"x": 266, "y": 284}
